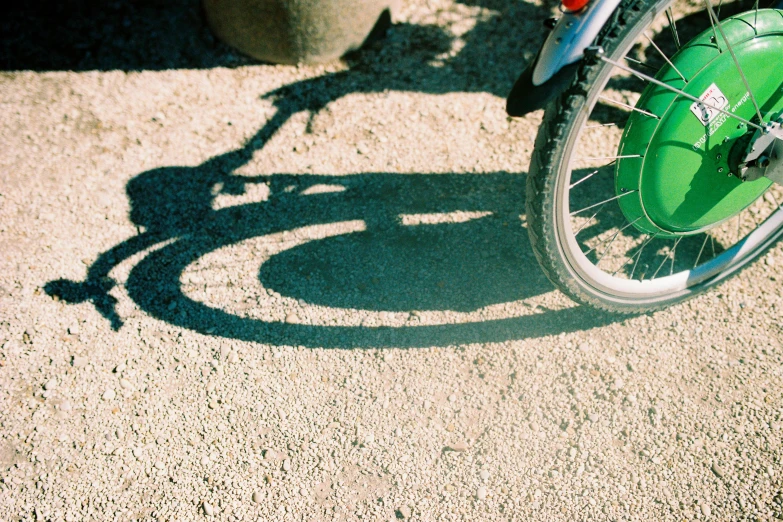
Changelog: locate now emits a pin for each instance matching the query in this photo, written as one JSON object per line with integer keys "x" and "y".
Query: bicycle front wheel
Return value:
{"x": 634, "y": 198}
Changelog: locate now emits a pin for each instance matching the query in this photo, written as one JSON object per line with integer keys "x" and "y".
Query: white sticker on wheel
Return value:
{"x": 712, "y": 99}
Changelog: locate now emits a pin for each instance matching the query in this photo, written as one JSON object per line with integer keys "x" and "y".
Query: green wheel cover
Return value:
{"x": 682, "y": 184}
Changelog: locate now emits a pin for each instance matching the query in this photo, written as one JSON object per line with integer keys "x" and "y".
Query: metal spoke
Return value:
{"x": 639, "y": 62}
{"x": 611, "y": 240}
{"x": 665, "y": 57}
{"x": 714, "y": 34}
{"x": 598, "y": 261}
{"x": 706, "y": 237}
{"x": 626, "y": 106}
{"x": 584, "y": 225}
{"x": 670, "y": 254}
{"x": 739, "y": 224}
{"x": 594, "y": 158}
{"x": 604, "y": 201}
{"x": 674, "y": 255}
{"x": 673, "y": 27}
{"x": 681, "y": 93}
{"x": 596, "y": 171}
{"x": 600, "y": 125}
{"x": 639, "y": 254}
{"x": 756, "y": 17}
{"x": 666, "y": 258}
{"x": 734, "y": 57}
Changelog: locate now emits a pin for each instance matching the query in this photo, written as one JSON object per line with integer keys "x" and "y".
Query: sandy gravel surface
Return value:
{"x": 232, "y": 291}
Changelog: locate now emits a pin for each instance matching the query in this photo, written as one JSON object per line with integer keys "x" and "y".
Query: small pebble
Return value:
{"x": 291, "y": 318}
{"x": 481, "y": 493}
{"x": 302, "y": 491}
{"x": 125, "y": 384}
{"x": 120, "y": 368}
{"x": 459, "y": 447}
{"x": 160, "y": 465}
{"x": 718, "y": 470}
{"x": 205, "y": 461}
{"x": 137, "y": 452}
{"x": 286, "y": 465}
{"x": 233, "y": 357}
{"x": 208, "y": 509}
{"x": 705, "y": 510}
{"x": 109, "y": 394}
{"x": 79, "y": 361}
{"x": 452, "y": 398}
{"x": 593, "y": 417}
{"x": 405, "y": 512}
{"x": 257, "y": 497}
{"x": 484, "y": 474}
{"x": 213, "y": 404}
{"x": 50, "y": 384}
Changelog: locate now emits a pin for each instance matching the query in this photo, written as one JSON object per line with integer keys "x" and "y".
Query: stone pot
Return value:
{"x": 296, "y": 31}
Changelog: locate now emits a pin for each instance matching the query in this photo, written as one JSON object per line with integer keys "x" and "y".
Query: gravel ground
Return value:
{"x": 235, "y": 291}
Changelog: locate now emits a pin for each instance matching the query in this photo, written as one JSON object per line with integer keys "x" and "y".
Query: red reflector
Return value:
{"x": 574, "y": 5}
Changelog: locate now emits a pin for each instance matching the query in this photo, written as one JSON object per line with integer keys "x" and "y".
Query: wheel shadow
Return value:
{"x": 390, "y": 265}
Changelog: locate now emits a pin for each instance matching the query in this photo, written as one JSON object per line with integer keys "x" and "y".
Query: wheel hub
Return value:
{"x": 764, "y": 156}
{"x": 683, "y": 160}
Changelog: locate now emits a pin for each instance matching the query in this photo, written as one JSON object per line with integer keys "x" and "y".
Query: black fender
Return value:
{"x": 526, "y": 97}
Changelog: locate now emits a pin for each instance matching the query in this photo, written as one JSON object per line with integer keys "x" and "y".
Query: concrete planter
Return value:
{"x": 295, "y": 31}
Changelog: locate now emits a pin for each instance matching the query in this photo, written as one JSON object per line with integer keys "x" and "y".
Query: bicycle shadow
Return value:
{"x": 445, "y": 266}
{"x": 389, "y": 265}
